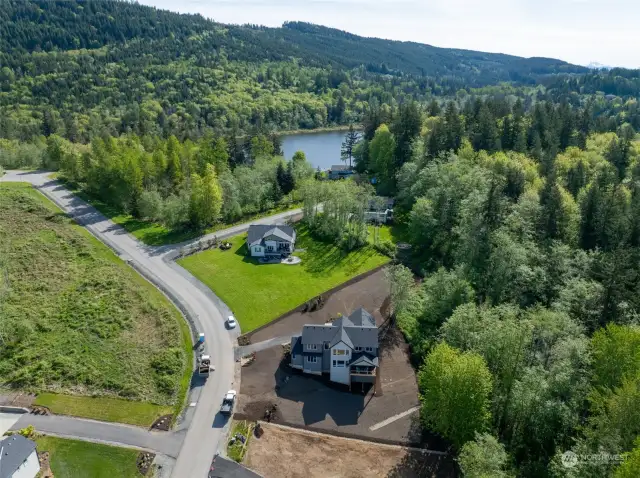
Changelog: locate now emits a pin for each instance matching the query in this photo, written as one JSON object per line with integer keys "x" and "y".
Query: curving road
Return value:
{"x": 206, "y": 427}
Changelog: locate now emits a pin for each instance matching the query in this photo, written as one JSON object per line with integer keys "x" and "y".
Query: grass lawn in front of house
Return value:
{"x": 259, "y": 293}
{"x": 74, "y": 458}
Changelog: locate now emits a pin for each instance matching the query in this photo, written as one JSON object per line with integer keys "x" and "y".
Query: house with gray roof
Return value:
{"x": 345, "y": 349}
{"x": 18, "y": 458}
{"x": 265, "y": 240}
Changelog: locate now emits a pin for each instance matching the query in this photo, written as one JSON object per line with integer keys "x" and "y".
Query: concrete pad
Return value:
{"x": 7, "y": 420}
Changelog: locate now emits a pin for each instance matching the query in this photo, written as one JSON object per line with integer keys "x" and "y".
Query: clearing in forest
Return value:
{"x": 75, "y": 320}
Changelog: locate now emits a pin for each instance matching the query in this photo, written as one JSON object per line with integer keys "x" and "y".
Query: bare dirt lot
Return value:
{"x": 313, "y": 402}
{"x": 284, "y": 452}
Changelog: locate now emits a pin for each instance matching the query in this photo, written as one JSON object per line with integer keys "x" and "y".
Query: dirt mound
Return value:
{"x": 257, "y": 411}
{"x": 144, "y": 462}
{"x": 163, "y": 423}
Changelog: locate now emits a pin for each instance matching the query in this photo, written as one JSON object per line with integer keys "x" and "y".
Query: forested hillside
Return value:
{"x": 86, "y": 68}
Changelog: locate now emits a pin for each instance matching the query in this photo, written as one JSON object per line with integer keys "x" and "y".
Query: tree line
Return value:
{"x": 525, "y": 327}
{"x": 188, "y": 185}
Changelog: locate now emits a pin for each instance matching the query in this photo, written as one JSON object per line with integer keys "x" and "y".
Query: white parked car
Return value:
{"x": 231, "y": 322}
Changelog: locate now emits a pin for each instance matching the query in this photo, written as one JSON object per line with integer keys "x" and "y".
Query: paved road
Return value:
{"x": 206, "y": 427}
{"x": 112, "y": 433}
{"x": 264, "y": 345}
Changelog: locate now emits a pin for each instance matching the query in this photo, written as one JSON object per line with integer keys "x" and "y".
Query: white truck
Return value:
{"x": 227, "y": 403}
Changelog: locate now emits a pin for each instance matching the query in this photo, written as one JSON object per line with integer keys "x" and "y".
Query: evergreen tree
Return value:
{"x": 348, "y": 145}
{"x": 284, "y": 177}
{"x": 551, "y": 218}
{"x": 405, "y": 129}
{"x": 485, "y": 132}
{"x": 434, "y": 108}
{"x": 454, "y": 128}
{"x": 235, "y": 149}
{"x": 577, "y": 178}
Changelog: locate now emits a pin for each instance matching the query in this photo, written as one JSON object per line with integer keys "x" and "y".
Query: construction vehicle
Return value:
{"x": 204, "y": 365}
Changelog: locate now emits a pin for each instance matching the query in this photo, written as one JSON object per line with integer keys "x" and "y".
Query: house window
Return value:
{"x": 311, "y": 359}
{"x": 326, "y": 345}
{"x": 339, "y": 352}
{"x": 269, "y": 248}
{"x": 338, "y": 363}
{"x": 369, "y": 349}
{"x": 312, "y": 346}
{"x": 293, "y": 356}
{"x": 358, "y": 349}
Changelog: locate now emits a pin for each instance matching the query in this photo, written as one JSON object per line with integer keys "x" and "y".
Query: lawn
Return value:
{"x": 103, "y": 408}
{"x": 154, "y": 234}
{"x": 259, "y": 293}
{"x": 73, "y": 458}
{"x": 76, "y": 320}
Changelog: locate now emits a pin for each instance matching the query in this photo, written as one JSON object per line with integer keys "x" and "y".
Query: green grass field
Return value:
{"x": 103, "y": 408}
{"x": 258, "y": 293}
{"x": 73, "y": 459}
{"x": 78, "y": 321}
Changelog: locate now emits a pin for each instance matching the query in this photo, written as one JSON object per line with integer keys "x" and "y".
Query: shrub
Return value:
{"x": 175, "y": 212}
{"x": 387, "y": 248}
{"x": 150, "y": 205}
{"x": 167, "y": 362}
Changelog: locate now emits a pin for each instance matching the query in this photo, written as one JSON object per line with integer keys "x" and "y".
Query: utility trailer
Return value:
{"x": 204, "y": 365}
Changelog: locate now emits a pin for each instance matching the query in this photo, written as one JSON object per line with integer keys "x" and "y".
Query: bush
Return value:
{"x": 150, "y": 205}
{"x": 168, "y": 362}
{"x": 353, "y": 239}
{"x": 175, "y": 212}
{"x": 387, "y": 248}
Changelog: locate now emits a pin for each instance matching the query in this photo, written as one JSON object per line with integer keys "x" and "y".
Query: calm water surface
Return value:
{"x": 322, "y": 149}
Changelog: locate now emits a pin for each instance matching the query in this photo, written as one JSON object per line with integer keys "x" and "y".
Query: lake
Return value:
{"x": 322, "y": 149}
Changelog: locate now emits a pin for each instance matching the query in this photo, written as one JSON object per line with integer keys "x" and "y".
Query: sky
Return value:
{"x": 577, "y": 31}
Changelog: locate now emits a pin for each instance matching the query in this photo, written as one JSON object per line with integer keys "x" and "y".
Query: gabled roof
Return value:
{"x": 15, "y": 450}
{"x": 296, "y": 345}
{"x": 340, "y": 167}
{"x": 317, "y": 334}
{"x": 341, "y": 336}
{"x": 362, "y": 318}
{"x": 364, "y": 360}
{"x": 257, "y": 232}
{"x": 363, "y": 336}
{"x": 357, "y": 330}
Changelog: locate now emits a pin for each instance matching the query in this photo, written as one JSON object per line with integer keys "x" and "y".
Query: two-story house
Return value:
{"x": 346, "y": 349}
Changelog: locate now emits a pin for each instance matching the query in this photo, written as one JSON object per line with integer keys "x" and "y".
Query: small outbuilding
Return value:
{"x": 340, "y": 171}
{"x": 18, "y": 458}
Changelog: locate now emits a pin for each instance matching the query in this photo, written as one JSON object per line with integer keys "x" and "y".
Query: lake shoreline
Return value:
{"x": 326, "y": 129}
